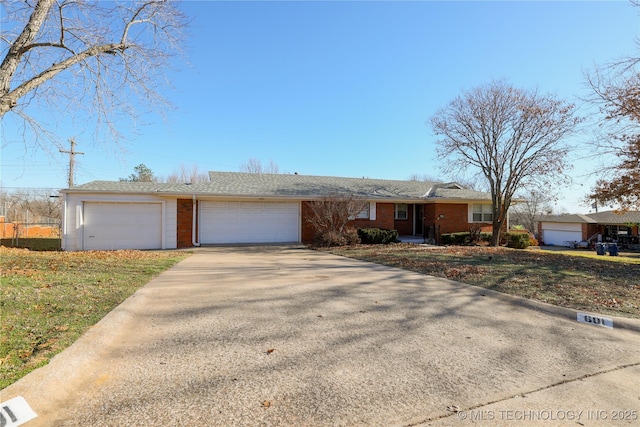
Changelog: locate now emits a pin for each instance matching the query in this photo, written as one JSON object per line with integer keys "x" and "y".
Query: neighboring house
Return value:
{"x": 569, "y": 230}
{"x": 254, "y": 208}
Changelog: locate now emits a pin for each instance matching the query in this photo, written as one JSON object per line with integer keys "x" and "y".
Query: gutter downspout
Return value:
{"x": 63, "y": 226}
{"x": 193, "y": 224}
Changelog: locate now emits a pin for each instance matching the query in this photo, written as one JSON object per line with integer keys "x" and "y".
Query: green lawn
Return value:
{"x": 49, "y": 299}
{"x": 623, "y": 257}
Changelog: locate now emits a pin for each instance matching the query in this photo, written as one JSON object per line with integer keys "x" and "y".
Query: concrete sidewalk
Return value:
{"x": 286, "y": 336}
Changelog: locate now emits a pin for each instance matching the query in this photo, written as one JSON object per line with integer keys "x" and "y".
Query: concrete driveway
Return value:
{"x": 285, "y": 336}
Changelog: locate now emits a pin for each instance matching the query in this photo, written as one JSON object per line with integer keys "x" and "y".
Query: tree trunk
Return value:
{"x": 495, "y": 238}
{"x": 17, "y": 49}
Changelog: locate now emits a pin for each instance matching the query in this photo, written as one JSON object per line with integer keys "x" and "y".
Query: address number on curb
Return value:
{"x": 606, "y": 322}
{"x": 15, "y": 412}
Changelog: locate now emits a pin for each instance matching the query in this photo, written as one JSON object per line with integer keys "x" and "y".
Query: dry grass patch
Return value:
{"x": 605, "y": 285}
{"x": 49, "y": 299}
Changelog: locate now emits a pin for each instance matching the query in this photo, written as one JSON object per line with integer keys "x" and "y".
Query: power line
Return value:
{"x": 4, "y": 187}
{"x": 72, "y": 153}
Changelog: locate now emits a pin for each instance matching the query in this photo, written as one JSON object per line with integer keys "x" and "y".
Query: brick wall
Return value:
{"x": 455, "y": 219}
{"x": 450, "y": 217}
{"x": 308, "y": 232}
{"x": 589, "y": 230}
{"x": 185, "y": 222}
{"x": 384, "y": 219}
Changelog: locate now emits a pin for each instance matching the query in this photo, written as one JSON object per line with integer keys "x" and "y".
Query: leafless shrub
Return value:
{"x": 330, "y": 219}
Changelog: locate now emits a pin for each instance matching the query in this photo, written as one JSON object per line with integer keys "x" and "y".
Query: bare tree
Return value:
{"x": 44, "y": 207}
{"x": 624, "y": 188}
{"x": 255, "y": 166}
{"x": 330, "y": 218}
{"x": 35, "y": 205}
{"x": 512, "y": 136}
{"x": 77, "y": 56}
{"x": 537, "y": 204}
{"x": 12, "y": 204}
{"x": 185, "y": 174}
{"x": 616, "y": 91}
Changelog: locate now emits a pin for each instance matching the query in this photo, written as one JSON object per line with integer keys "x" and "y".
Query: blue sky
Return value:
{"x": 342, "y": 88}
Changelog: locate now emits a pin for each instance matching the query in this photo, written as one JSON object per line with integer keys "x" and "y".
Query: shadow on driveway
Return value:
{"x": 285, "y": 336}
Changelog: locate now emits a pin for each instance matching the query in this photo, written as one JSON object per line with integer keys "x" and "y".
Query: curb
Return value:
{"x": 554, "y": 310}
{"x": 571, "y": 314}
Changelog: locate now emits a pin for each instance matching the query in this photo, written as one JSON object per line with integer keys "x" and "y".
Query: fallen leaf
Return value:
{"x": 453, "y": 408}
{"x": 266, "y": 404}
{"x": 271, "y": 350}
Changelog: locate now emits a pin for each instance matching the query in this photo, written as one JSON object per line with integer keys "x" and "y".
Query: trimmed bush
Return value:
{"x": 455, "y": 238}
{"x": 331, "y": 238}
{"x": 486, "y": 237}
{"x": 33, "y": 243}
{"x": 513, "y": 240}
{"x": 517, "y": 240}
{"x": 377, "y": 236}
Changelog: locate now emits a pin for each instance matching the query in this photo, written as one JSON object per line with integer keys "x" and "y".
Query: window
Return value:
{"x": 364, "y": 213}
{"x": 482, "y": 213}
{"x": 401, "y": 211}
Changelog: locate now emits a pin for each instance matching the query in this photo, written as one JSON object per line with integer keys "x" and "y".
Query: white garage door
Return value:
{"x": 122, "y": 226}
{"x": 561, "y": 234}
{"x": 248, "y": 222}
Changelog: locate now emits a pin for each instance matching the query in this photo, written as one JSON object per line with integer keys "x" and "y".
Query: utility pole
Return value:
{"x": 72, "y": 161}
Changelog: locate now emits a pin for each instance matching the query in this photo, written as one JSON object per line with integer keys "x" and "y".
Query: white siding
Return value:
{"x": 74, "y": 226}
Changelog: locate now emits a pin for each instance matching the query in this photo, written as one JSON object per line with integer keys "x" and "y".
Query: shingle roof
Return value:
{"x": 127, "y": 187}
{"x": 458, "y": 193}
{"x": 613, "y": 217}
{"x": 609, "y": 217}
{"x": 292, "y": 186}
{"x": 573, "y": 218}
{"x": 313, "y": 186}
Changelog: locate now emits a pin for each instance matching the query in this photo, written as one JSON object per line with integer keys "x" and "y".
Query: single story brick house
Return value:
{"x": 609, "y": 226}
{"x": 254, "y": 208}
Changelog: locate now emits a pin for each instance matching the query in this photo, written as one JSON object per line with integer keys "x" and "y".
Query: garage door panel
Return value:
{"x": 556, "y": 226}
{"x": 248, "y": 222}
{"x": 110, "y": 226}
{"x": 560, "y": 237}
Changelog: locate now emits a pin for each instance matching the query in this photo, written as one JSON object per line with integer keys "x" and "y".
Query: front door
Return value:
{"x": 418, "y": 220}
